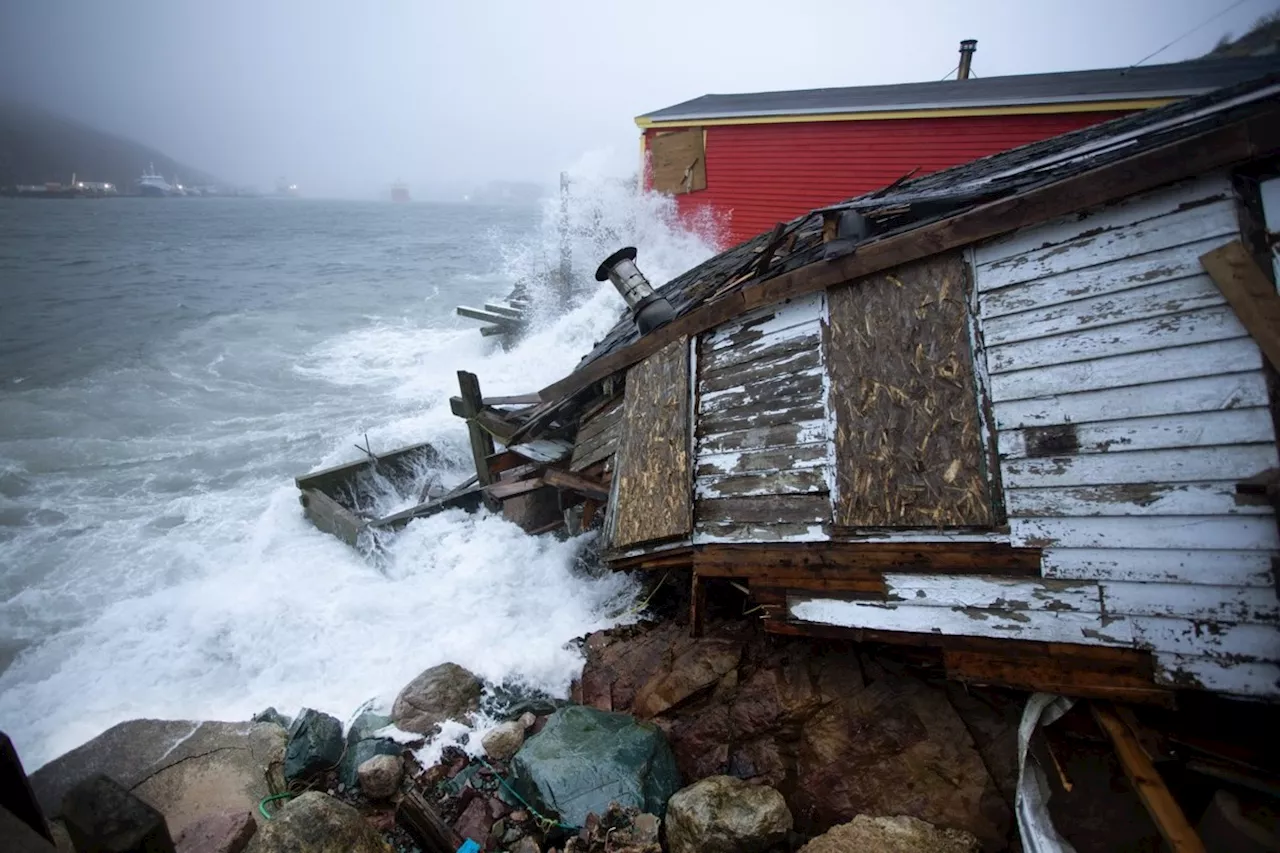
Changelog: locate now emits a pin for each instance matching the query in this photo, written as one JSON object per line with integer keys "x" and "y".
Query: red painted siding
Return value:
{"x": 762, "y": 174}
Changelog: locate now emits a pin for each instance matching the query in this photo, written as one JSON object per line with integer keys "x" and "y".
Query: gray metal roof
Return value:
{"x": 1182, "y": 79}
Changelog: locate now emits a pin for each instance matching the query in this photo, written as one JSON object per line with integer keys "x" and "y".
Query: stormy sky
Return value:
{"x": 345, "y": 97}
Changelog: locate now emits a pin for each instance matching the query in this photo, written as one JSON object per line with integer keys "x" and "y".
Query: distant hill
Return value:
{"x": 38, "y": 146}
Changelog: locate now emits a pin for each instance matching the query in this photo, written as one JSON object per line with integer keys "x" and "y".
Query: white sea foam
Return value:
{"x": 173, "y": 575}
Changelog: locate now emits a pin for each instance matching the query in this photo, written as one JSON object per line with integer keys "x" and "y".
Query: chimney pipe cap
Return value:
{"x": 626, "y": 254}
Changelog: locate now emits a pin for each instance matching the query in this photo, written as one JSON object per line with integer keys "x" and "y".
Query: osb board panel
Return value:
{"x": 909, "y": 450}
{"x": 677, "y": 162}
{"x": 654, "y": 479}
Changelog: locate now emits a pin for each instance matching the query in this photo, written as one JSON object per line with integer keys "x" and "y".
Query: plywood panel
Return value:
{"x": 677, "y": 162}
{"x": 654, "y": 479}
{"x": 908, "y": 442}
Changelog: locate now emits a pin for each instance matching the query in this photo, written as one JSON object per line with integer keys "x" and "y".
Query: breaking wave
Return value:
{"x": 154, "y": 561}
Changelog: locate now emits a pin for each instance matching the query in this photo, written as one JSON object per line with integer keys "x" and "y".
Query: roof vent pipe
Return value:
{"x": 967, "y": 48}
{"x": 648, "y": 309}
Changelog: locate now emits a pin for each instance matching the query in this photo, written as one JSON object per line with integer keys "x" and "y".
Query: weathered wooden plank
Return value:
{"x": 764, "y": 509}
{"x": 677, "y": 162}
{"x": 513, "y": 488}
{"x": 803, "y": 481}
{"x": 602, "y": 421}
{"x": 416, "y": 814}
{"x": 330, "y": 516}
{"x": 806, "y": 385}
{"x": 654, "y": 474}
{"x": 1146, "y": 781}
{"x": 1195, "y": 292}
{"x": 1199, "y": 190}
{"x": 1190, "y": 532}
{"x": 1092, "y": 283}
{"x": 1223, "y": 640}
{"x": 1039, "y": 625}
{"x": 542, "y": 449}
{"x": 845, "y": 559}
{"x": 1136, "y": 369}
{"x": 762, "y": 438}
{"x": 1235, "y": 568}
{"x": 1132, "y": 499}
{"x": 804, "y": 355}
{"x": 1174, "y": 397}
{"x": 1204, "y": 325}
{"x": 604, "y": 449}
{"x": 1196, "y": 429}
{"x": 1251, "y": 294}
{"x": 762, "y": 461}
{"x": 575, "y": 483}
{"x": 1097, "y": 244}
{"x": 1076, "y": 677}
{"x": 1178, "y": 465}
{"x": 778, "y": 412}
{"x": 987, "y": 592}
{"x": 908, "y": 448}
{"x": 530, "y": 399}
{"x": 1192, "y": 601}
{"x": 481, "y": 441}
{"x": 1242, "y": 678}
{"x": 740, "y": 532}
{"x": 1248, "y": 138}
{"x": 778, "y": 345}
{"x": 488, "y": 317}
{"x": 764, "y": 322}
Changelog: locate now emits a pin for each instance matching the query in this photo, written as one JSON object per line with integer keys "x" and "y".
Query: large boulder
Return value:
{"x": 901, "y": 834}
{"x": 723, "y": 814}
{"x": 837, "y": 730}
{"x": 380, "y": 776}
{"x": 364, "y": 743}
{"x": 315, "y": 745}
{"x": 444, "y": 692}
{"x": 504, "y": 740}
{"x": 317, "y": 823}
{"x": 218, "y": 832}
{"x": 584, "y": 759}
{"x": 184, "y": 769}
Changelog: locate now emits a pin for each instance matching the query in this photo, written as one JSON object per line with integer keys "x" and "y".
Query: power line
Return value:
{"x": 1194, "y": 29}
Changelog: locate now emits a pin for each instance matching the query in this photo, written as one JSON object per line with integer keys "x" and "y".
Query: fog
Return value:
{"x": 346, "y": 97}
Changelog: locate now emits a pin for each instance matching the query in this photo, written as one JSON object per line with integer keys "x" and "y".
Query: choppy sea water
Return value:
{"x": 167, "y": 366}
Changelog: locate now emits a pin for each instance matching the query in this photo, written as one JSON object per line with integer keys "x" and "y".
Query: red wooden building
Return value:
{"x": 763, "y": 158}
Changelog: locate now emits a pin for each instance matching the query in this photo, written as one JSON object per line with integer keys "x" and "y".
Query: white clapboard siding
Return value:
{"x": 1196, "y": 429}
{"x": 1216, "y": 392}
{"x": 1159, "y": 333}
{"x": 1251, "y": 568}
{"x": 1178, "y": 465}
{"x": 762, "y": 427}
{"x": 921, "y": 590}
{"x": 1133, "y": 499}
{"x": 1128, "y": 401}
{"x": 1150, "y": 300}
{"x": 1139, "y": 210}
{"x": 1242, "y": 678}
{"x": 1176, "y": 262}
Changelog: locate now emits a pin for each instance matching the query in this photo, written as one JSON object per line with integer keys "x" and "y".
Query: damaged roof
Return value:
{"x": 1175, "y": 80}
{"x": 910, "y": 204}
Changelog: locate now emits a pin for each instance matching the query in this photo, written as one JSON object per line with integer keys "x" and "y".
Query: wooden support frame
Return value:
{"x": 1151, "y": 789}
{"x": 576, "y": 483}
{"x": 1246, "y": 139}
{"x": 1250, "y": 293}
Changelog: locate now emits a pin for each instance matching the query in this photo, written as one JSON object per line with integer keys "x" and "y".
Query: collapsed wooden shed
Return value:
{"x": 1020, "y": 410}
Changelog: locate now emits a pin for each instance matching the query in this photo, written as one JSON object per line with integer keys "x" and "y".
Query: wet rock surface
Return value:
{"x": 318, "y": 823}
{"x": 219, "y": 832}
{"x": 899, "y": 834}
{"x": 315, "y": 746}
{"x": 444, "y": 692}
{"x": 838, "y": 731}
{"x": 183, "y": 768}
{"x": 723, "y": 814}
{"x": 380, "y": 776}
{"x": 363, "y": 743}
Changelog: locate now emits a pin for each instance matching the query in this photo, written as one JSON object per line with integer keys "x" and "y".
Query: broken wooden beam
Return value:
{"x": 504, "y": 310}
{"x": 487, "y": 316}
{"x": 1150, "y": 787}
{"x": 468, "y": 496}
{"x": 530, "y": 399}
{"x": 510, "y": 489}
{"x": 470, "y": 405}
{"x": 575, "y": 483}
{"x": 421, "y": 821}
{"x": 1250, "y": 293}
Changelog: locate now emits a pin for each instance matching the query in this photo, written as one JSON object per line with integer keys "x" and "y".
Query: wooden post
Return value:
{"x": 417, "y": 816}
{"x": 697, "y": 604}
{"x": 1160, "y": 804}
{"x": 481, "y": 442}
